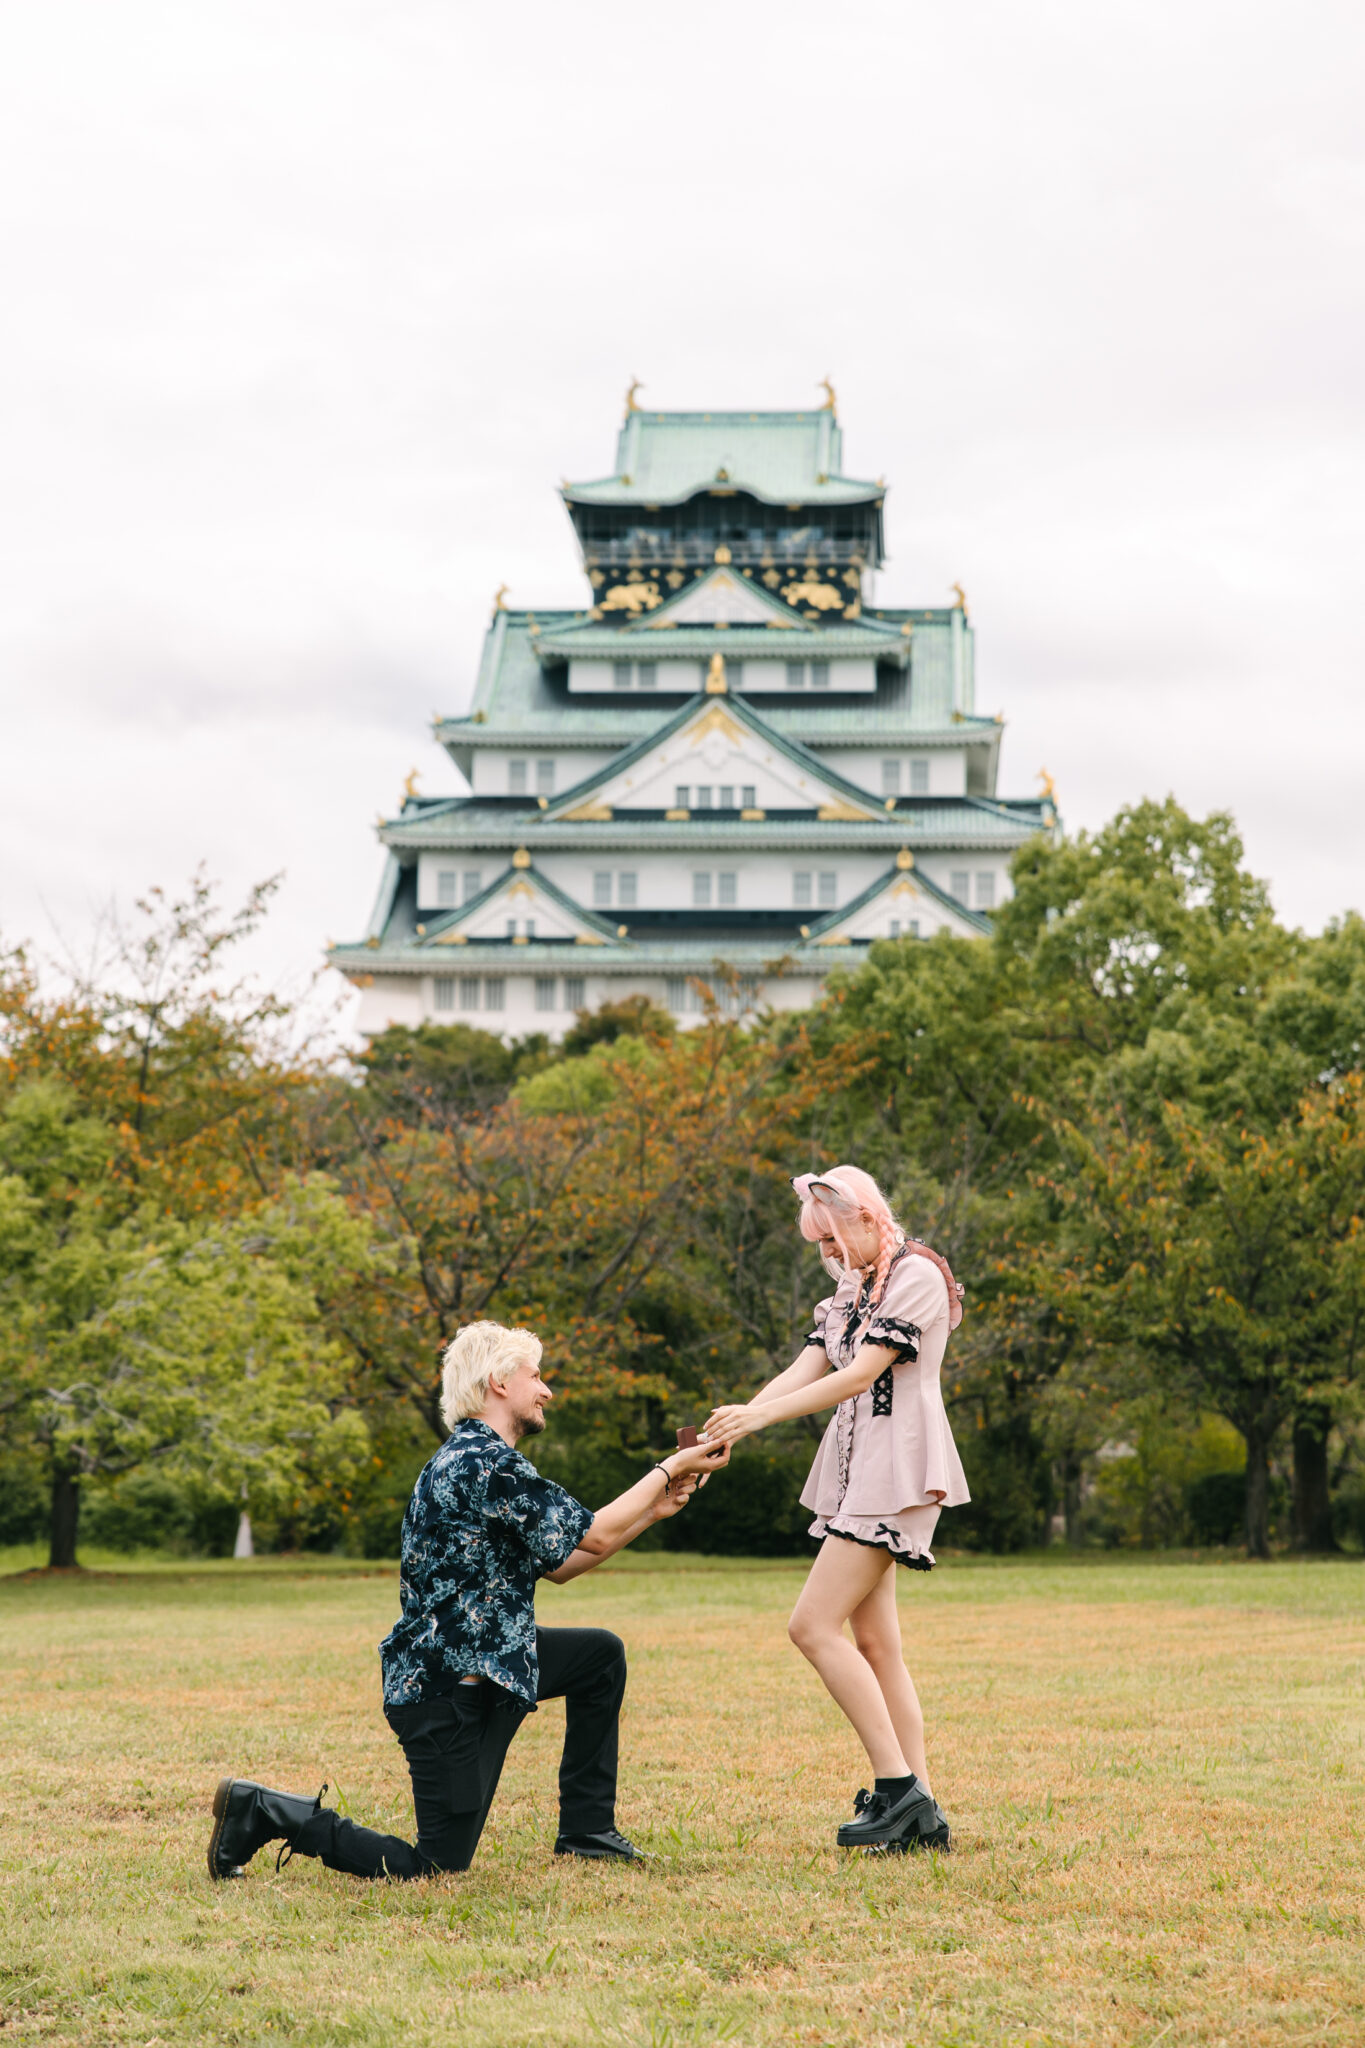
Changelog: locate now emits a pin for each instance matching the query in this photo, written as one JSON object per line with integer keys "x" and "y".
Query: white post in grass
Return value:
{"x": 244, "y": 1547}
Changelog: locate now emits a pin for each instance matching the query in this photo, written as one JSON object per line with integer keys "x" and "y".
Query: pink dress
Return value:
{"x": 887, "y": 1463}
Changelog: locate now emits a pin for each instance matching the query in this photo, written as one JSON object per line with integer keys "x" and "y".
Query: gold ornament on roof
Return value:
{"x": 905, "y": 859}
{"x": 635, "y": 385}
{"x": 1049, "y": 786}
{"x": 961, "y": 604}
{"x": 826, "y": 386}
{"x": 410, "y": 783}
{"x": 498, "y": 596}
{"x": 716, "y": 685}
{"x": 521, "y": 858}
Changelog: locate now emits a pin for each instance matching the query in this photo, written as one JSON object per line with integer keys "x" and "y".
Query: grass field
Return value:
{"x": 1154, "y": 1771}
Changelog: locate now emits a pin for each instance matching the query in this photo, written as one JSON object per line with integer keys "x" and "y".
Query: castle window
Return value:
{"x": 626, "y": 890}
{"x": 516, "y": 778}
{"x": 443, "y": 992}
{"x": 620, "y": 675}
{"x": 727, "y": 890}
{"x": 545, "y": 991}
{"x": 511, "y": 927}
{"x": 681, "y": 797}
{"x": 891, "y": 778}
{"x": 895, "y": 927}
{"x": 748, "y": 796}
{"x": 675, "y": 992}
{"x": 530, "y": 927}
{"x": 545, "y": 778}
{"x": 703, "y": 802}
{"x": 985, "y": 890}
{"x": 801, "y": 896}
{"x": 919, "y": 778}
{"x": 445, "y": 888}
{"x": 495, "y": 993}
{"x": 796, "y": 675}
{"x": 701, "y": 892}
{"x": 473, "y": 883}
{"x": 469, "y": 991}
{"x": 647, "y": 675}
{"x": 601, "y": 890}
{"x": 726, "y": 797}
{"x": 959, "y": 884}
{"x": 819, "y": 675}
{"x": 575, "y": 992}
{"x": 829, "y": 891}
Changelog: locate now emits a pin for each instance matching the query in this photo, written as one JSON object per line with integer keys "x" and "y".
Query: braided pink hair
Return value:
{"x": 821, "y": 1218}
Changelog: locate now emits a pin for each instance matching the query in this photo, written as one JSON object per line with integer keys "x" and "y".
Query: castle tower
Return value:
{"x": 732, "y": 769}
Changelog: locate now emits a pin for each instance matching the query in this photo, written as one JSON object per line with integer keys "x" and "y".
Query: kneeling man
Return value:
{"x": 466, "y": 1663}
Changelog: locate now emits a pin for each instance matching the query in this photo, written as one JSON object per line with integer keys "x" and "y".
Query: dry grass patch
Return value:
{"x": 1154, "y": 1771}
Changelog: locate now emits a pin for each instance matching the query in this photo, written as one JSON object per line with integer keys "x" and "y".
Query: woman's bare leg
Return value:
{"x": 877, "y": 1632}
{"x": 841, "y": 1580}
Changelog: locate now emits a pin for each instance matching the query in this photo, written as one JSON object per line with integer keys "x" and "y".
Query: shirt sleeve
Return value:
{"x": 542, "y": 1517}
{"x": 816, "y": 1333}
{"x": 916, "y": 1293}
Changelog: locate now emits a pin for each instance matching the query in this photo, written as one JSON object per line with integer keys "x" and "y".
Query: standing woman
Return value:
{"x": 885, "y": 1467}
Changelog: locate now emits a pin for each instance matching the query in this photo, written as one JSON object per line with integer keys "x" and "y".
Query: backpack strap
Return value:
{"x": 956, "y": 1291}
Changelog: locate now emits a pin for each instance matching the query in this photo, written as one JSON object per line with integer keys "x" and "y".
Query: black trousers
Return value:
{"x": 455, "y": 1745}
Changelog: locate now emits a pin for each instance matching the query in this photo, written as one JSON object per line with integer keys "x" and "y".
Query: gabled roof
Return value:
{"x": 722, "y": 595}
{"x": 663, "y": 458}
{"x": 448, "y": 927}
{"x": 860, "y": 804}
{"x": 833, "y": 929}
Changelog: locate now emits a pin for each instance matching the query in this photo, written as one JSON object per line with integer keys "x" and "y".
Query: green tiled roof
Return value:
{"x": 943, "y": 823}
{"x": 516, "y": 699}
{"x": 848, "y": 640}
{"x": 780, "y": 457}
{"x": 974, "y": 918}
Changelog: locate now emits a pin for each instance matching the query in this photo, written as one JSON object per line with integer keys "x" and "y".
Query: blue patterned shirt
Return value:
{"x": 482, "y": 1526}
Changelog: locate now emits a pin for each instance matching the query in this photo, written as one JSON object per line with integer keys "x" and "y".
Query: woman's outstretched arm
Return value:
{"x": 816, "y": 1391}
{"x": 809, "y": 1366}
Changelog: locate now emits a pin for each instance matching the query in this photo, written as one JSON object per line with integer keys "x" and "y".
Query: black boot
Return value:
{"x": 884, "y": 1821}
{"x": 246, "y": 1817}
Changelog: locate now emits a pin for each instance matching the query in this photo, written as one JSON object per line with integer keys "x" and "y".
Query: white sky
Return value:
{"x": 310, "y": 305}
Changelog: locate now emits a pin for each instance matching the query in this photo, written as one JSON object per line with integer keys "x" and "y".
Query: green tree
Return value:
{"x": 132, "y": 1339}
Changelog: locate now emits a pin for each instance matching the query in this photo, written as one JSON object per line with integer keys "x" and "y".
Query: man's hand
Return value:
{"x": 677, "y": 1497}
{"x": 727, "y": 1425}
{"x": 702, "y": 1458}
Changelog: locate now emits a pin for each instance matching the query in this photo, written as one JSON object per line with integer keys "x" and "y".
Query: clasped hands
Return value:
{"x": 687, "y": 1471}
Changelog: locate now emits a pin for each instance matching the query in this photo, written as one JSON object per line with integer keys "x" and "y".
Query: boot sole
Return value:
{"x": 600, "y": 1856}
{"x": 220, "y": 1800}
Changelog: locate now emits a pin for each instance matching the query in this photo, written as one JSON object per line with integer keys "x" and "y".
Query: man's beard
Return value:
{"x": 530, "y": 1425}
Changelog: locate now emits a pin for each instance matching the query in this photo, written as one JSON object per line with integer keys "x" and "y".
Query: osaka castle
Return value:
{"x": 731, "y": 770}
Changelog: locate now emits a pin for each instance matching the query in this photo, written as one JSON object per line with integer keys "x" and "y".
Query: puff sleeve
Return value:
{"x": 916, "y": 1295}
{"x": 815, "y": 1334}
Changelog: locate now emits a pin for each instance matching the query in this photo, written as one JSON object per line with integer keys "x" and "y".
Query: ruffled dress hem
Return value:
{"x": 876, "y": 1534}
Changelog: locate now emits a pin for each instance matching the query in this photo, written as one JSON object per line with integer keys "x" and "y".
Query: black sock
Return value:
{"x": 896, "y": 1788}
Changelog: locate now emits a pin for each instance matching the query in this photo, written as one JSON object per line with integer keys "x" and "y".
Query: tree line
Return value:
{"x": 1131, "y": 1117}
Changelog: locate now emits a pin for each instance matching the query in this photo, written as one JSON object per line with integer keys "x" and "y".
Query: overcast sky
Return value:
{"x": 309, "y": 306}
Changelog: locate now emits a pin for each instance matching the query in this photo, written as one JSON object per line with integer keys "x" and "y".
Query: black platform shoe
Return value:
{"x": 608, "y": 1845}
{"x": 881, "y": 1822}
{"x": 247, "y": 1816}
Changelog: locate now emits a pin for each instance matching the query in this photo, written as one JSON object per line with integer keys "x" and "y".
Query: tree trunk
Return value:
{"x": 1312, "y": 1491}
{"x": 66, "y": 1508}
{"x": 1258, "y": 1493}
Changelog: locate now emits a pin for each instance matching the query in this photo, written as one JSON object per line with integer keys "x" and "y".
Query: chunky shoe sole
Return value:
{"x": 601, "y": 1855}
{"x": 220, "y": 1800}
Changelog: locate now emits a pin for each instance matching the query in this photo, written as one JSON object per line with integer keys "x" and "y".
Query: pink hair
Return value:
{"x": 821, "y": 1217}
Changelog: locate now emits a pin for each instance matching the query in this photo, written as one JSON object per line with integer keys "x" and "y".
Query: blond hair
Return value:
{"x": 478, "y": 1356}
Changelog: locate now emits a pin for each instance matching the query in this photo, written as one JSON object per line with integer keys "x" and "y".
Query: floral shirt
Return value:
{"x": 482, "y": 1526}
